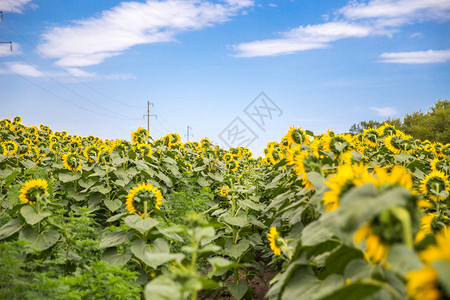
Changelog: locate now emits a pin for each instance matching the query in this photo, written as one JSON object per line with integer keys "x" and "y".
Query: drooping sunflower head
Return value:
{"x": 139, "y": 135}
{"x": 233, "y": 165}
{"x": 370, "y": 137}
{"x": 145, "y": 150}
{"x": 91, "y": 153}
{"x": 285, "y": 143}
{"x": 71, "y": 161}
{"x": 17, "y": 120}
{"x": 32, "y": 190}
{"x": 205, "y": 143}
{"x": 224, "y": 190}
{"x": 228, "y": 157}
{"x": 24, "y": 149}
{"x": 375, "y": 249}
{"x": 297, "y": 136}
{"x": 143, "y": 198}
{"x": 435, "y": 183}
{"x": 442, "y": 165}
{"x": 399, "y": 176}
{"x": 273, "y": 237}
{"x": 387, "y": 129}
{"x": 393, "y": 143}
{"x": 11, "y": 147}
{"x": 104, "y": 154}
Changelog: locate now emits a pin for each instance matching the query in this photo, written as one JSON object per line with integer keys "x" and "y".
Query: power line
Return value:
{"x": 149, "y": 115}
{"x": 124, "y": 117}
{"x": 68, "y": 73}
{"x": 62, "y": 98}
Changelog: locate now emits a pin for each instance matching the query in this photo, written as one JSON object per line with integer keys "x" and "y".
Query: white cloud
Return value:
{"x": 416, "y": 35}
{"x": 303, "y": 38}
{"x": 398, "y": 11}
{"x": 120, "y": 77}
{"x": 91, "y": 41}
{"x": 14, "y": 6}
{"x": 384, "y": 111}
{"x": 417, "y": 57}
{"x": 23, "y": 69}
{"x": 80, "y": 73}
{"x": 356, "y": 19}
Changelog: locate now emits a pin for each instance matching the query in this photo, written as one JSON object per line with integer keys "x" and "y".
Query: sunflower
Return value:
{"x": 232, "y": 166}
{"x": 370, "y": 137}
{"x": 346, "y": 177}
{"x": 376, "y": 251}
{"x": 424, "y": 283}
{"x": 11, "y": 147}
{"x": 3, "y": 149}
{"x": 224, "y": 190}
{"x": 433, "y": 183}
{"x": 442, "y": 165}
{"x": 205, "y": 143}
{"x": 32, "y": 189}
{"x": 17, "y": 120}
{"x": 273, "y": 237}
{"x": 71, "y": 161}
{"x": 386, "y": 130}
{"x": 91, "y": 153}
{"x": 305, "y": 162}
{"x": 228, "y": 157}
{"x": 430, "y": 224}
{"x": 137, "y": 200}
{"x": 145, "y": 149}
{"x": 392, "y": 142}
{"x": 398, "y": 176}
{"x": 55, "y": 147}
{"x": 139, "y": 135}
{"x": 297, "y": 136}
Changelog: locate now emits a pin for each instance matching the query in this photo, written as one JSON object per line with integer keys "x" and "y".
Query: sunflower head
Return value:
{"x": 71, "y": 161}
{"x": 274, "y": 239}
{"x": 386, "y": 130}
{"x": 145, "y": 150}
{"x": 224, "y": 190}
{"x": 91, "y": 153}
{"x": 32, "y": 190}
{"x": 435, "y": 183}
{"x": 228, "y": 157}
{"x": 17, "y": 120}
{"x": 139, "y": 135}
{"x": 143, "y": 198}
{"x": 11, "y": 147}
{"x": 233, "y": 165}
{"x": 297, "y": 136}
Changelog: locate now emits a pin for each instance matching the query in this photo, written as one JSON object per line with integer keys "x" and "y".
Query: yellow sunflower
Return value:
{"x": 297, "y": 136}
{"x": 424, "y": 283}
{"x": 137, "y": 200}
{"x": 233, "y": 166}
{"x": 376, "y": 251}
{"x": 224, "y": 190}
{"x": 346, "y": 177}
{"x": 139, "y": 135}
{"x": 32, "y": 189}
{"x": 145, "y": 149}
{"x": 392, "y": 143}
{"x": 432, "y": 223}
{"x": 71, "y": 161}
{"x": 398, "y": 176}
{"x": 273, "y": 236}
{"x": 433, "y": 183}
{"x": 11, "y": 147}
{"x": 91, "y": 153}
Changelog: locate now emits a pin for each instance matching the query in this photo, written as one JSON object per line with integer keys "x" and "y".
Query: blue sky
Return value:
{"x": 89, "y": 67}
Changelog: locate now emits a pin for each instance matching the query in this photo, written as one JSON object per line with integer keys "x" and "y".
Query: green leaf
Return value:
{"x": 112, "y": 205}
{"x": 219, "y": 263}
{"x": 250, "y": 204}
{"x": 154, "y": 254}
{"x": 115, "y": 238}
{"x": 103, "y": 189}
{"x": 117, "y": 217}
{"x": 164, "y": 178}
{"x": 69, "y": 177}
{"x": 9, "y": 179}
{"x": 116, "y": 259}
{"x": 238, "y": 290}
{"x": 202, "y": 181}
{"x": 316, "y": 179}
{"x": 338, "y": 260}
{"x": 140, "y": 224}
{"x": 10, "y": 228}
{"x": 237, "y": 250}
{"x": 239, "y": 220}
{"x": 163, "y": 288}
{"x": 30, "y": 215}
{"x": 402, "y": 259}
{"x": 40, "y": 241}
{"x": 209, "y": 248}
{"x": 13, "y": 194}
{"x": 216, "y": 176}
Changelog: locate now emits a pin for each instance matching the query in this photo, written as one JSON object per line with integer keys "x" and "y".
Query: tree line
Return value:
{"x": 433, "y": 125}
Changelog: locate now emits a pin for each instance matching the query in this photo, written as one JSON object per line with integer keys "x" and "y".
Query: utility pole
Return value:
{"x": 188, "y": 134}
{"x": 1, "y": 14}
{"x": 149, "y": 115}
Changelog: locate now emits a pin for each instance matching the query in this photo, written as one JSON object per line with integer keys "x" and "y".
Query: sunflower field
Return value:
{"x": 328, "y": 216}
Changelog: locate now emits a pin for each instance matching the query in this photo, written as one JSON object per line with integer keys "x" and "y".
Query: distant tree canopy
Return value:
{"x": 433, "y": 125}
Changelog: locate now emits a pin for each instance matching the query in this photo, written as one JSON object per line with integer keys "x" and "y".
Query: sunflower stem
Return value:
{"x": 403, "y": 216}
{"x": 145, "y": 209}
